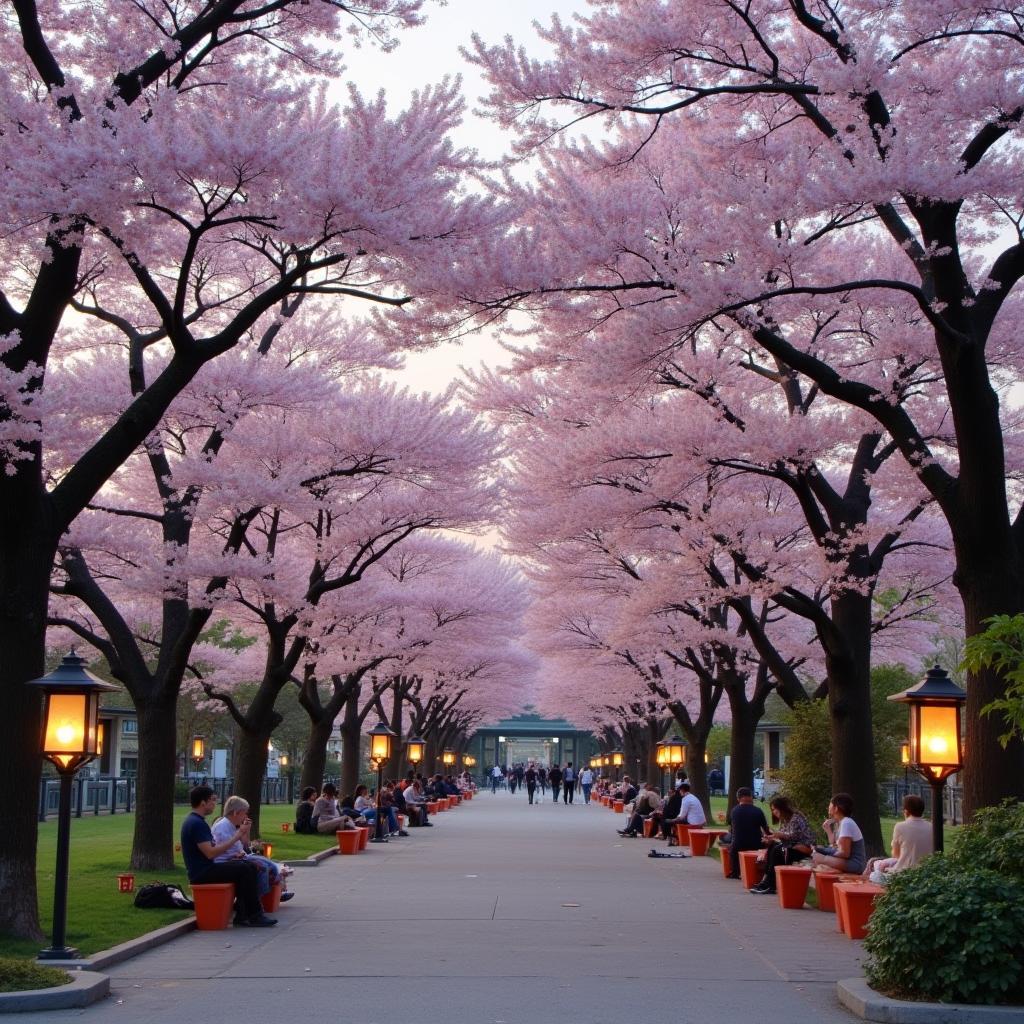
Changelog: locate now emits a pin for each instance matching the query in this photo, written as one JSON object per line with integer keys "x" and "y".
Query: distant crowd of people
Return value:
{"x": 537, "y": 780}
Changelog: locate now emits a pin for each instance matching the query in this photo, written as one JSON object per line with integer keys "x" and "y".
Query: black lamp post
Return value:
{"x": 618, "y": 759}
{"x": 198, "y": 752}
{"x": 71, "y": 701}
{"x": 935, "y": 750}
{"x": 380, "y": 752}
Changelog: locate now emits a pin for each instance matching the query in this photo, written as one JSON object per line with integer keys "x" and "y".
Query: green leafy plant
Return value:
{"x": 1001, "y": 647}
{"x": 994, "y": 839}
{"x": 949, "y": 932}
{"x": 23, "y": 976}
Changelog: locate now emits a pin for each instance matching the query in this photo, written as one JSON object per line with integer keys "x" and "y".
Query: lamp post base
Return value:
{"x": 58, "y": 953}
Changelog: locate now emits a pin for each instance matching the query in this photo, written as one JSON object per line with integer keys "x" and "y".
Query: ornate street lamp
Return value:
{"x": 934, "y": 750}
{"x": 70, "y": 739}
{"x": 415, "y": 748}
{"x": 380, "y": 737}
{"x": 617, "y": 759}
{"x": 670, "y": 754}
{"x": 198, "y": 751}
{"x": 448, "y": 757}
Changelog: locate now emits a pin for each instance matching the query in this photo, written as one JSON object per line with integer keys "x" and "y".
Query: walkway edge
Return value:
{"x": 84, "y": 988}
{"x": 868, "y": 1004}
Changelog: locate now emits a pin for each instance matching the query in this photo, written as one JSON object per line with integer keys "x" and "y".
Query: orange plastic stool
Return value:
{"x": 214, "y": 902}
{"x": 855, "y": 902}
{"x": 619, "y": 807}
{"x": 726, "y": 856}
{"x": 824, "y": 882}
{"x": 700, "y": 842}
{"x": 364, "y": 835}
{"x": 792, "y": 882}
{"x": 348, "y": 840}
{"x": 431, "y": 807}
{"x": 682, "y": 834}
{"x": 650, "y": 827}
{"x": 272, "y": 900}
{"x": 750, "y": 871}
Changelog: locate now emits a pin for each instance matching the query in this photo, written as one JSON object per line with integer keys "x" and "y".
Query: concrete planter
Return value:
{"x": 84, "y": 988}
{"x": 868, "y": 1004}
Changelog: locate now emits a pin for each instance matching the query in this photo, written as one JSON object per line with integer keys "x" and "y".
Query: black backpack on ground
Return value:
{"x": 161, "y": 896}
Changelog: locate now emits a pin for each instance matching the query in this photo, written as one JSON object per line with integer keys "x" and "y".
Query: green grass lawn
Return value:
{"x": 98, "y": 915}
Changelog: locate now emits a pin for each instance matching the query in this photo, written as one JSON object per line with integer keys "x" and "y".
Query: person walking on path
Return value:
{"x": 531, "y": 782}
{"x": 586, "y": 781}
{"x": 555, "y": 778}
{"x": 568, "y": 783}
{"x": 495, "y": 778}
{"x": 542, "y": 781}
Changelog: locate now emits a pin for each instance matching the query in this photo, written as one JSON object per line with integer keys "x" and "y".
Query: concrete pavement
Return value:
{"x": 502, "y": 914}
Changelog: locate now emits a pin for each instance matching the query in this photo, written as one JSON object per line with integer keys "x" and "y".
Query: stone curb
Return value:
{"x": 84, "y": 988}
{"x": 313, "y": 860}
{"x": 868, "y": 1004}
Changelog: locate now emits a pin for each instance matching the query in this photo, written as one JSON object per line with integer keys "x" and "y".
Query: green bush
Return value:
{"x": 23, "y": 975}
{"x": 994, "y": 839}
{"x": 948, "y": 932}
{"x": 806, "y": 777}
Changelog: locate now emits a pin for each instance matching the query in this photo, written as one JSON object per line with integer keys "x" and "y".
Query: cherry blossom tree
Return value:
{"x": 763, "y": 164}
{"x": 176, "y": 181}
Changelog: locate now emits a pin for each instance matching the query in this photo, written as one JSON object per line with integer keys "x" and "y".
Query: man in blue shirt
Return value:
{"x": 199, "y": 850}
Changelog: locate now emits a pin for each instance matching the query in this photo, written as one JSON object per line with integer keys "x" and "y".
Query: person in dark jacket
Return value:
{"x": 555, "y": 778}
{"x": 669, "y": 810}
{"x": 530, "y": 778}
{"x": 749, "y": 827}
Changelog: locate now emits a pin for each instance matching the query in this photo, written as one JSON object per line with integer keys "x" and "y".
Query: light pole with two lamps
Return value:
{"x": 934, "y": 749}
{"x": 71, "y": 701}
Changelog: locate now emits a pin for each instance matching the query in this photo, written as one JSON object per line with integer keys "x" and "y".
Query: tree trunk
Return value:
{"x": 741, "y": 745}
{"x": 25, "y": 563}
{"x": 395, "y": 764}
{"x": 153, "y": 840}
{"x": 848, "y": 666}
{"x": 697, "y": 771}
{"x": 314, "y": 761}
{"x": 991, "y": 773}
{"x": 350, "y": 746}
{"x": 250, "y": 769}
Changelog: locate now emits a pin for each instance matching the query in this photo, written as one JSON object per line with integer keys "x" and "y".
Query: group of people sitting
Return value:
{"x": 224, "y": 854}
{"x": 792, "y": 839}
{"x": 325, "y": 813}
{"x": 680, "y": 808}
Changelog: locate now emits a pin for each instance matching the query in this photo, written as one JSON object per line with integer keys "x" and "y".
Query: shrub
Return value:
{"x": 948, "y": 932}
{"x": 994, "y": 839}
{"x": 806, "y": 777}
{"x": 24, "y": 975}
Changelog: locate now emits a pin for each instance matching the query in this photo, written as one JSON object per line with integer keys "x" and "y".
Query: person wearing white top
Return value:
{"x": 912, "y": 841}
{"x": 690, "y": 810}
{"x": 586, "y": 781}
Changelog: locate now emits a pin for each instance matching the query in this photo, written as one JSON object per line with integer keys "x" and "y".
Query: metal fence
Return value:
{"x": 109, "y": 795}
{"x": 893, "y": 792}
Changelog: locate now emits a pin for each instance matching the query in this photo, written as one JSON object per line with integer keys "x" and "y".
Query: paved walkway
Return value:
{"x": 502, "y": 914}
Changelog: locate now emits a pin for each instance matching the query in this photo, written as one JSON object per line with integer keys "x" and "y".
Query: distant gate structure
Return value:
{"x": 528, "y": 737}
